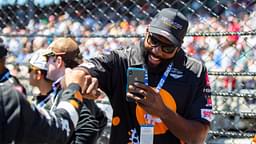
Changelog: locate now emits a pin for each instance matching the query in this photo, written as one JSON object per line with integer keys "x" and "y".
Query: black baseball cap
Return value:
{"x": 3, "y": 50}
{"x": 171, "y": 24}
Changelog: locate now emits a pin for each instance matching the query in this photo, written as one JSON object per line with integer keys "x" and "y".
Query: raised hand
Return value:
{"x": 74, "y": 76}
{"x": 149, "y": 99}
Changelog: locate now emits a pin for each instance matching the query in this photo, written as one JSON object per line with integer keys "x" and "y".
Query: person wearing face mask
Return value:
{"x": 173, "y": 105}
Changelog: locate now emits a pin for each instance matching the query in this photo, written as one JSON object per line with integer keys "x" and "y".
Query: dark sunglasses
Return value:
{"x": 153, "y": 41}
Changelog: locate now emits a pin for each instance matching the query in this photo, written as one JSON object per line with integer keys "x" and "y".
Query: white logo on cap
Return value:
{"x": 170, "y": 22}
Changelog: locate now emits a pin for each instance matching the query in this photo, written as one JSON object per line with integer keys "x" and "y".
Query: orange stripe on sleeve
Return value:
{"x": 74, "y": 104}
{"x": 78, "y": 96}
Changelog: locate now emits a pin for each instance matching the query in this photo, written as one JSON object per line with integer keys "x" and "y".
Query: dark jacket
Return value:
{"x": 186, "y": 91}
{"x": 18, "y": 86}
{"x": 21, "y": 122}
{"x": 92, "y": 121}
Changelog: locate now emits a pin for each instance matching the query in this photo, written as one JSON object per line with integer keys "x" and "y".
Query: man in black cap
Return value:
{"x": 173, "y": 105}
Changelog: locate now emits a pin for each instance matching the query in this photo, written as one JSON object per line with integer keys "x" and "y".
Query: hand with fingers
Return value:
{"x": 89, "y": 86}
{"x": 147, "y": 98}
{"x": 73, "y": 76}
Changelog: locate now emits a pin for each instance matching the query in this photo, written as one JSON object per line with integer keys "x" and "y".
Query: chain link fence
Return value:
{"x": 221, "y": 33}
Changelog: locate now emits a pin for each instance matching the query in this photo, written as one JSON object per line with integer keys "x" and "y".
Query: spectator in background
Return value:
{"x": 5, "y": 73}
{"x": 37, "y": 77}
{"x": 233, "y": 26}
{"x": 228, "y": 62}
{"x": 65, "y": 53}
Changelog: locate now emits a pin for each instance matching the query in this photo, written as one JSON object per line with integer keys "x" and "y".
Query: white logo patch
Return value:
{"x": 175, "y": 73}
{"x": 175, "y": 76}
{"x": 207, "y": 114}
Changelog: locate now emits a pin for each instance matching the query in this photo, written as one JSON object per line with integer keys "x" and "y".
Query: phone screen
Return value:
{"x": 134, "y": 75}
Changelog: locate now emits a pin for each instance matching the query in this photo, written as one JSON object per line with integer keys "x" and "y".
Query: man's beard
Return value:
{"x": 161, "y": 67}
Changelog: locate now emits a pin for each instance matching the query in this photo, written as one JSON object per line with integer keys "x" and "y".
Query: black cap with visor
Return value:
{"x": 171, "y": 24}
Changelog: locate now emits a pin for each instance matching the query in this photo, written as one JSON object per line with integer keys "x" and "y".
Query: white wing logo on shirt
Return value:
{"x": 175, "y": 76}
{"x": 175, "y": 73}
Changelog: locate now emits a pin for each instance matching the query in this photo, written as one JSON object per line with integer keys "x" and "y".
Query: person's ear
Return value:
{"x": 38, "y": 75}
{"x": 59, "y": 61}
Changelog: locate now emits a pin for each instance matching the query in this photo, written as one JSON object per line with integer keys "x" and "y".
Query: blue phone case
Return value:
{"x": 134, "y": 75}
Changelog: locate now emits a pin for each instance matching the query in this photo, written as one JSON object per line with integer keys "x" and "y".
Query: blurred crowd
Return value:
{"x": 219, "y": 53}
{"x": 222, "y": 53}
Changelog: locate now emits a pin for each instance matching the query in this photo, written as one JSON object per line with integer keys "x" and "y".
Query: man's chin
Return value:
{"x": 158, "y": 67}
{"x": 152, "y": 65}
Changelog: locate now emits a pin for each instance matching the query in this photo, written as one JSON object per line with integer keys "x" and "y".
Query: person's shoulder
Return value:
{"x": 194, "y": 61}
{"x": 127, "y": 51}
{"x": 195, "y": 65}
{"x": 18, "y": 86}
{"x": 190, "y": 63}
{"x": 10, "y": 90}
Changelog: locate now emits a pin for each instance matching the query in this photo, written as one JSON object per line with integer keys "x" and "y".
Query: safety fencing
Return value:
{"x": 221, "y": 34}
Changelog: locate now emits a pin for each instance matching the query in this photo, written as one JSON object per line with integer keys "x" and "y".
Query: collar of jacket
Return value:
{"x": 136, "y": 55}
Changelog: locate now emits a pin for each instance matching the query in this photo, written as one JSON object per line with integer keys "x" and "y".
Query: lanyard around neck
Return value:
{"x": 148, "y": 117}
{"x": 55, "y": 86}
{"x": 162, "y": 80}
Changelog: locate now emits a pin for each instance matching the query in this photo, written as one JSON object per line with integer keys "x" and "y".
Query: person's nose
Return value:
{"x": 157, "y": 50}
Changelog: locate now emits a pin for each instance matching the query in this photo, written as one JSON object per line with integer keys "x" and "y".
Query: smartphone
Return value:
{"x": 134, "y": 75}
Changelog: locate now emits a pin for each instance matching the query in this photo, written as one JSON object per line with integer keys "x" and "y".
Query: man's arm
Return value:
{"x": 87, "y": 128}
{"x": 24, "y": 123}
{"x": 92, "y": 121}
{"x": 194, "y": 129}
{"x": 189, "y": 131}
{"x": 27, "y": 124}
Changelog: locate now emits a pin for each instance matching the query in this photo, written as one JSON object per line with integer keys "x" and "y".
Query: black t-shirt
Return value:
{"x": 185, "y": 91}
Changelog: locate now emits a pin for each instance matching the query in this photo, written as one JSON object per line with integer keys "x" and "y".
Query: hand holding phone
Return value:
{"x": 134, "y": 75}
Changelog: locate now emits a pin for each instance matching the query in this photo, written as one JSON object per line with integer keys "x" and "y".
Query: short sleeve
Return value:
{"x": 201, "y": 106}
